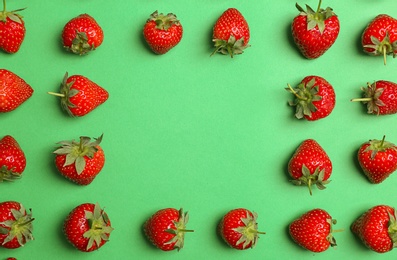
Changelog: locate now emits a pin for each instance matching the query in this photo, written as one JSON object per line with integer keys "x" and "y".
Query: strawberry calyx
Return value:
{"x": 65, "y": 94}
{"x": 316, "y": 18}
{"x": 231, "y": 46}
{"x": 305, "y": 95}
{"x": 21, "y": 228}
{"x": 179, "y": 230}
{"x": 12, "y": 15}
{"x": 309, "y": 179}
{"x": 99, "y": 230}
{"x": 80, "y": 44}
{"x": 77, "y": 151}
{"x": 8, "y": 174}
{"x": 392, "y": 227}
{"x": 330, "y": 238}
{"x": 384, "y": 47}
{"x": 163, "y": 22}
{"x": 376, "y": 146}
{"x": 371, "y": 98}
{"x": 249, "y": 232}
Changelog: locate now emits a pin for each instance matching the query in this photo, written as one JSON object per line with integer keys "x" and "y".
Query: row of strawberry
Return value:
{"x": 87, "y": 227}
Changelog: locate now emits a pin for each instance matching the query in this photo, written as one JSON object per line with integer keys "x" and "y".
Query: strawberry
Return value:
{"x": 310, "y": 165}
{"x": 313, "y": 230}
{"x": 314, "y": 32}
{"x": 12, "y": 159}
{"x": 12, "y": 30}
{"x": 13, "y": 91}
{"x": 377, "y": 228}
{"x": 82, "y": 34}
{"x": 81, "y": 161}
{"x": 231, "y": 33}
{"x": 166, "y": 228}
{"x": 378, "y": 159}
{"x": 380, "y": 97}
{"x": 239, "y": 229}
{"x": 79, "y": 95}
{"x": 87, "y": 227}
{"x": 314, "y": 98}
{"x": 162, "y": 32}
{"x": 380, "y": 37}
{"x": 15, "y": 225}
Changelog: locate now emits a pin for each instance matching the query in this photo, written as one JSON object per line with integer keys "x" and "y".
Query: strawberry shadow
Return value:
{"x": 61, "y": 235}
{"x": 287, "y": 234}
{"x": 216, "y": 228}
{"x": 291, "y": 41}
{"x": 144, "y": 237}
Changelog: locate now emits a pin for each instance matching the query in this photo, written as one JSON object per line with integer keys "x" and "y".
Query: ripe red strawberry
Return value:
{"x": 12, "y": 159}
{"x": 81, "y": 161}
{"x": 13, "y": 91}
{"x": 313, "y": 230}
{"x": 239, "y": 229}
{"x": 166, "y": 228}
{"x": 79, "y": 95}
{"x": 378, "y": 159}
{"x": 15, "y": 225}
{"x": 314, "y": 32}
{"x": 11, "y": 258}
{"x": 12, "y": 30}
{"x": 87, "y": 227}
{"x": 231, "y": 33}
{"x": 380, "y": 37}
{"x": 82, "y": 34}
{"x": 377, "y": 228}
{"x": 310, "y": 165}
{"x": 380, "y": 97}
{"x": 162, "y": 32}
{"x": 314, "y": 98}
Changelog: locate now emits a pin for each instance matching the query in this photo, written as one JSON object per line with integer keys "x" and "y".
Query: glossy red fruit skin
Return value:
{"x": 383, "y": 95}
{"x": 231, "y": 22}
{"x": 12, "y": 35}
{"x": 76, "y": 224}
{"x": 372, "y": 228}
{"x": 312, "y": 229}
{"x": 13, "y": 91}
{"x": 312, "y": 43}
{"x": 12, "y": 158}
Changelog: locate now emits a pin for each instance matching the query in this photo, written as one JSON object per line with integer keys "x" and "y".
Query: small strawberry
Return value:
{"x": 79, "y": 95}
{"x": 380, "y": 37}
{"x": 82, "y": 34}
{"x": 314, "y": 32}
{"x": 378, "y": 159}
{"x": 239, "y": 229}
{"x": 231, "y": 33}
{"x": 380, "y": 97}
{"x": 313, "y": 230}
{"x": 11, "y": 258}
{"x": 166, "y": 228}
{"x": 81, "y": 161}
{"x": 162, "y": 32}
{"x": 310, "y": 165}
{"x": 314, "y": 98}
{"x": 13, "y": 91}
{"x": 12, "y": 159}
{"x": 15, "y": 225}
{"x": 87, "y": 227}
{"x": 12, "y": 30}
{"x": 377, "y": 228}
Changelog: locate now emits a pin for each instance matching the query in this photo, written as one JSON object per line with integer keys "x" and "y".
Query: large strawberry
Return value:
{"x": 166, "y": 228}
{"x": 79, "y": 95}
{"x": 12, "y": 30}
{"x": 313, "y": 230}
{"x": 13, "y": 91}
{"x": 82, "y": 34}
{"x": 12, "y": 159}
{"x": 380, "y": 37}
{"x": 378, "y": 159}
{"x": 81, "y": 161}
{"x": 377, "y": 228}
{"x": 162, "y": 32}
{"x": 314, "y": 32}
{"x": 87, "y": 227}
{"x": 231, "y": 33}
{"x": 380, "y": 97}
{"x": 239, "y": 228}
{"x": 15, "y": 225}
{"x": 314, "y": 98}
{"x": 310, "y": 165}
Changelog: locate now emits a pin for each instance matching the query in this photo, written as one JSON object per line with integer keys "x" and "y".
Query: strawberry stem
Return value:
{"x": 56, "y": 94}
{"x": 185, "y": 230}
{"x": 384, "y": 49}
{"x": 319, "y": 6}
{"x": 295, "y": 93}
{"x": 361, "y": 99}
{"x": 383, "y": 140}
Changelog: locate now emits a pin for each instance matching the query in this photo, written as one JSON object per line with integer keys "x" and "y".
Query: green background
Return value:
{"x": 184, "y": 129}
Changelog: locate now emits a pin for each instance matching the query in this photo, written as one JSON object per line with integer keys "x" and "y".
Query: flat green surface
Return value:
{"x": 184, "y": 129}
